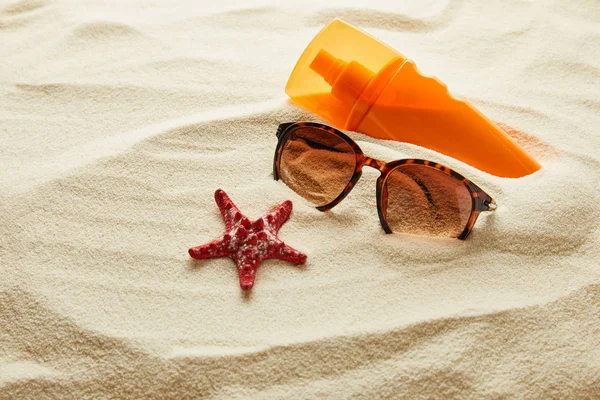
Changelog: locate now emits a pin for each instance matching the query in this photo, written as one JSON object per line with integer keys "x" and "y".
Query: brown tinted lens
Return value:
{"x": 425, "y": 201}
{"x": 316, "y": 164}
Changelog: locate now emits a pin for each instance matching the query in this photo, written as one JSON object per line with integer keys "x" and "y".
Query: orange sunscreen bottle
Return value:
{"x": 358, "y": 83}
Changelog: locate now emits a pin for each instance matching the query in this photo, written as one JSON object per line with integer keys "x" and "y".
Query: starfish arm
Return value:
{"x": 231, "y": 214}
{"x": 287, "y": 253}
{"x": 247, "y": 274}
{"x": 216, "y": 248}
{"x": 278, "y": 216}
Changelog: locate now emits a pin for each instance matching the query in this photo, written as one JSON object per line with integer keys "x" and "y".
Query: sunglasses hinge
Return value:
{"x": 490, "y": 204}
{"x": 281, "y": 128}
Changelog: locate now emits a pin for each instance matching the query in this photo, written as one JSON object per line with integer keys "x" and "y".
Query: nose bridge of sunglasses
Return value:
{"x": 373, "y": 163}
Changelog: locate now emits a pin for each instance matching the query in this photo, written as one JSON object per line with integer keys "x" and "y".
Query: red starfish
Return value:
{"x": 249, "y": 243}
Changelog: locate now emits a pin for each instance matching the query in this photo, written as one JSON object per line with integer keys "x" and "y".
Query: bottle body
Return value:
{"x": 419, "y": 109}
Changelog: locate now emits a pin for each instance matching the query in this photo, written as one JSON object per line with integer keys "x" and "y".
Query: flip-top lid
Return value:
{"x": 334, "y": 70}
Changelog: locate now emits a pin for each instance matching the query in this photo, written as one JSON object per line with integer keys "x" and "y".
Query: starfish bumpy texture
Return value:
{"x": 249, "y": 243}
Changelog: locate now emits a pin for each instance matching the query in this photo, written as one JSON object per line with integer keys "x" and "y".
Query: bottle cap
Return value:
{"x": 335, "y": 71}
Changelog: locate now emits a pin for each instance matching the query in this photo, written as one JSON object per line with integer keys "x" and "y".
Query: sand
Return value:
{"x": 119, "y": 120}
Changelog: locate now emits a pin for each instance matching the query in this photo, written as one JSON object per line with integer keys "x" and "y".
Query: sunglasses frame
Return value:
{"x": 480, "y": 200}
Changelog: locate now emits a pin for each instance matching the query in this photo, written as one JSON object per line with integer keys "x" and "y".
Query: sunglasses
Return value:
{"x": 421, "y": 197}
